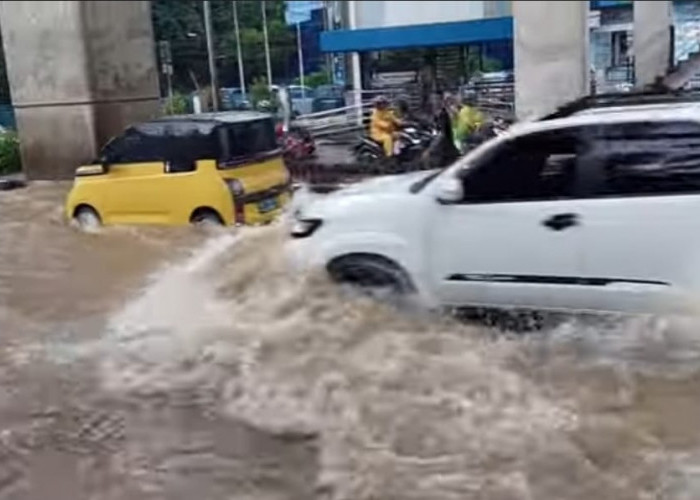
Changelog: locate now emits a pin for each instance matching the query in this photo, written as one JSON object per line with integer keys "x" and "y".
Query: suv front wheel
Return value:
{"x": 371, "y": 275}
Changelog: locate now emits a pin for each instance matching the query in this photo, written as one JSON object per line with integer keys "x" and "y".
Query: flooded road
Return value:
{"x": 175, "y": 364}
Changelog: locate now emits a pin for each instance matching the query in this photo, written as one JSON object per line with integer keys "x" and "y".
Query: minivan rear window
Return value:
{"x": 247, "y": 140}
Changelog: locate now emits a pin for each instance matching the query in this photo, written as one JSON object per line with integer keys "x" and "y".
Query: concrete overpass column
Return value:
{"x": 551, "y": 54}
{"x": 79, "y": 72}
{"x": 652, "y": 40}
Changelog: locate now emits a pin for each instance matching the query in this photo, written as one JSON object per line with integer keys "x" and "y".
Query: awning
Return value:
{"x": 418, "y": 35}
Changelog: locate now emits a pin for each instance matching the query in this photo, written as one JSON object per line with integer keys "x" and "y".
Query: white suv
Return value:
{"x": 595, "y": 211}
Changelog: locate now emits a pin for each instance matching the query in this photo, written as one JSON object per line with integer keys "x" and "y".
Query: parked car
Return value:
{"x": 302, "y": 99}
{"x": 223, "y": 168}
{"x": 233, "y": 98}
{"x": 592, "y": 211}
{"x": 328, "y": 97}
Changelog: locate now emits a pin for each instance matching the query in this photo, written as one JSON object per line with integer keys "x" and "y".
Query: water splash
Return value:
{"x": 401, "y": 406}
{"x": 229, "y": 372}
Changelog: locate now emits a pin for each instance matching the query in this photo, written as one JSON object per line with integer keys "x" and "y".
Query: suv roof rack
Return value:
{"x": 638, "y": 98}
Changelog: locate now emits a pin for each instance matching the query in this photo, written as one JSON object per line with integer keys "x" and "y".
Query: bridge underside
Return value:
{"x": 79, "y": 72}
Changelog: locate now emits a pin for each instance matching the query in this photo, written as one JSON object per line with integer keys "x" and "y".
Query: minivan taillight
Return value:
{"x": 237, "y": 191}
{"x": 239, "y": 212}
{"x": 235, "y": 186}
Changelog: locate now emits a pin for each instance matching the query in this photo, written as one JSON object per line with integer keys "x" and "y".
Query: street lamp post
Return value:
{"x": 267, "y": 44}
{"x": 212, "y": 57}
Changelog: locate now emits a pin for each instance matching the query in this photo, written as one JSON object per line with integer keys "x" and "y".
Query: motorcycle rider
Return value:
{"x": 467, "y": 121}
{"x": 383, "y": 125}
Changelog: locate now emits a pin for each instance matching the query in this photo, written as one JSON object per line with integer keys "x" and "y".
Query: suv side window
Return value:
{"x": 539, "y": 166}
{"x": 647, "y": 159}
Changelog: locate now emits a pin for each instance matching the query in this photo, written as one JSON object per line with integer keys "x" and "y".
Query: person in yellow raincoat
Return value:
{"x": 383, "y": 125}
{"x": 466, "y": 121}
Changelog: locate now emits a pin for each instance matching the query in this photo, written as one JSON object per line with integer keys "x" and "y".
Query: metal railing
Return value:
{"x": 344, "y": 124}
{"x": 494, "y": 98}
{"x": 338, "y": 124}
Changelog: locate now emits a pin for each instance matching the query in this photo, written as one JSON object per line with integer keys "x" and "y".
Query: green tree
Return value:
{"x": 316, "y": 79}
{"x": 181, "y": 23}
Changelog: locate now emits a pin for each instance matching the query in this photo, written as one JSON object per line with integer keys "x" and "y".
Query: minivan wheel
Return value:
{"x": 371, "y": 275}
{"x": 205, "y": 217}
{"x": 87, "y": 218}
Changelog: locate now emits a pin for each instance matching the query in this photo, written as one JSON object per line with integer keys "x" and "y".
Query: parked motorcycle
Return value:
{"x": 409, "y": 144}
{"x": 487, "y": 131}
{"x": 297, "y": 143}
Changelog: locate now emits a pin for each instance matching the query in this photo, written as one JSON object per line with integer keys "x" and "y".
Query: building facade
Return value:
{"x": 404, "y": 24}
{"x": 612, "y": 39}
{"x": 464, "y": 34}
{"x": 558, "y": 47}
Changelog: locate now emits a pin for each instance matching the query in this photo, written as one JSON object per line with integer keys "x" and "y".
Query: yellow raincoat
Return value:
{"x": 382, "y": 126}
{"x": 467, "y": 121}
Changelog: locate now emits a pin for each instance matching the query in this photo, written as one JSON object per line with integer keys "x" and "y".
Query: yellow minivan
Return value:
{"x": 219, "y": 167}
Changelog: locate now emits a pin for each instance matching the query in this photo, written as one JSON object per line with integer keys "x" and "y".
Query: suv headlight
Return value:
{"x": 303, "y": 228}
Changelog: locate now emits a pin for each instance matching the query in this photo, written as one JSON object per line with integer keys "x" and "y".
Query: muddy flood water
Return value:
{"x": 179, "y": 364}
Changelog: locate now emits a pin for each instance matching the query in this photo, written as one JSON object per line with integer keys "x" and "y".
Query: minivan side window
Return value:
{"x": 120, "y": 149}
{"x": 647, "y": 159}
{"x": 540, "y": 166}
{"x": 177, "y": 150}
{"x": 133, "y": 147}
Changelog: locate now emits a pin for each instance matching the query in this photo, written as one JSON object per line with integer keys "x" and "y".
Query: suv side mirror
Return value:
{"x": 449, "y": 191}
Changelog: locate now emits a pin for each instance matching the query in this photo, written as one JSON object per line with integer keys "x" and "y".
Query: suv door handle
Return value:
{"x": 559, "y": 222}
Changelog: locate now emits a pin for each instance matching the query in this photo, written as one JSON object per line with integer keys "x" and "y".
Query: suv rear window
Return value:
{"x": 649, "y": 158}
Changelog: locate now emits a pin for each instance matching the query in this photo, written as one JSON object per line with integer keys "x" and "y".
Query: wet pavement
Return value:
{"x": 175, "y": 364}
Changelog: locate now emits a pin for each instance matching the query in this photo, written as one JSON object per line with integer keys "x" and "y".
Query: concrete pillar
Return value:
{"x": 551, "y": 54}
{"x": 79, "y": 72}
{"x": 652, "y": 40}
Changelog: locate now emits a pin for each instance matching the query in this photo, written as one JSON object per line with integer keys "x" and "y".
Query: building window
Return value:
{"x": 620, "y": 50}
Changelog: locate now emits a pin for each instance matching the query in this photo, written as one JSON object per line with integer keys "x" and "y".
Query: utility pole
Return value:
{"x": 300, "y": 54}
{"x": 166, "y": 61}
{"x": 267, "y": 44}
{"x": 328, "y": 26}
{"x": 241, "y": 73}
{"x": 355, "y": 58}
{"x": 212, "y": 57}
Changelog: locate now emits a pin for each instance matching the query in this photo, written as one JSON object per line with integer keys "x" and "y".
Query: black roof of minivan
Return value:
{"x": 220, "y": 117}
{"x": 202, "y": 123}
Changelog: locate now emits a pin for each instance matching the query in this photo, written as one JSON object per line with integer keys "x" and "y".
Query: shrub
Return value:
{"x": 178, "y": 105}
{"x": 10, "y": 161}
{"x": 316, "y": 79}
{"x": 260, "y": 91}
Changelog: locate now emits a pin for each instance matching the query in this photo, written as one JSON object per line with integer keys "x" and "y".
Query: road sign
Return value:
{"x": 299, "y": 11}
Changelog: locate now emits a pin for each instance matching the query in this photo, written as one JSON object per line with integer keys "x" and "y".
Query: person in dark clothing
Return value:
{"x": 442, "y": 152}
{"x": 447, "y": 151}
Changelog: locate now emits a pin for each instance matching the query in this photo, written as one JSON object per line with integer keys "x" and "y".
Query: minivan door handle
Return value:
{"x": 559, "y": 222}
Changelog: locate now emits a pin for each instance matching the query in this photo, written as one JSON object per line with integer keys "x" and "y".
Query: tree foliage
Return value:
{"x": 10, "y": 160}
{"x": 181, "y": 23}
